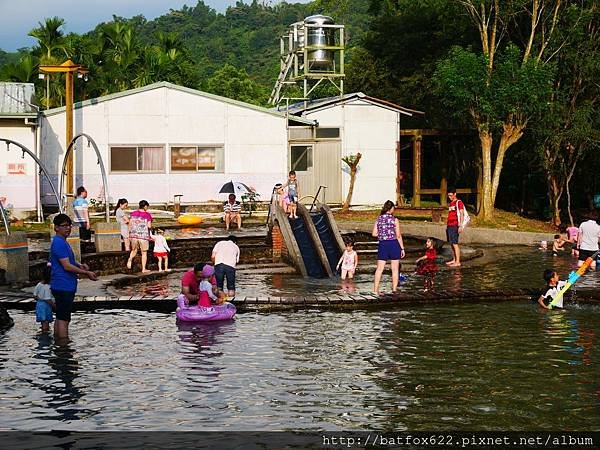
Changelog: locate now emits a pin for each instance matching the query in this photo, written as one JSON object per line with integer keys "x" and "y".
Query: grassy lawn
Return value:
{"x": 503, "y": 220}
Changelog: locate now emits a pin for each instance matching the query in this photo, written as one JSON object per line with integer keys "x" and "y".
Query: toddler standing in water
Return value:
{"x": 427, "y": 264}
{"x": 161, "y": 250}
{"x": 348, "y": 261}
{"x": 44, "y": 301}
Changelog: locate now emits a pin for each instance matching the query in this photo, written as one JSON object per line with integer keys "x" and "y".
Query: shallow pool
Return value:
{"x": 505, "y": 366}
{"x": 506, "y": 267}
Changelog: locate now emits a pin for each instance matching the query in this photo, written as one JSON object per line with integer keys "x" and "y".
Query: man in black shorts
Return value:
{"x": 455, "y": 218}
{"x": 63, "y": 281}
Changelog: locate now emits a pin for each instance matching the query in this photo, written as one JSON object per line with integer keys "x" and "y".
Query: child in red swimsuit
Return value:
{"x": 427, "y": 264}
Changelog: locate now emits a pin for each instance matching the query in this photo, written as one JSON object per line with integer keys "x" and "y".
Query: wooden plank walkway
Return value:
{"x": 24, "y": 301}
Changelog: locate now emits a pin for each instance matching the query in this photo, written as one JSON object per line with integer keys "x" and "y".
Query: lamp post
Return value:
{"x": 68, "y": 68}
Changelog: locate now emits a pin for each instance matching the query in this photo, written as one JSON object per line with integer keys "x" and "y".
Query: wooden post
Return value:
{"x": 69, "y": 68}
{"x": 417, "y": 141}
{"x": 69, "y": 130}
{"x": 398, "y": 172}
{"x": 444, "y": 180}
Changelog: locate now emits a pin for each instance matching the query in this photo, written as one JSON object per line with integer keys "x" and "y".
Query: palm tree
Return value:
{"x": 50, "y": 42}
{"x": 50, "y": 38}
{"x": 25, "y": 71}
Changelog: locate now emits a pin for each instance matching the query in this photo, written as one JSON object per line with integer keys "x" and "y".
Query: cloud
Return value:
{"x": 19, "y": 17}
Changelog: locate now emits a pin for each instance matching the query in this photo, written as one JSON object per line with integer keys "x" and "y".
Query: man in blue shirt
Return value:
{"x": 63, "y": 281}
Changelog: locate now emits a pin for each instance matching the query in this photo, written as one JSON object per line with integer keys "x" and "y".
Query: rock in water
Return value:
{"x": 5, "y": 320}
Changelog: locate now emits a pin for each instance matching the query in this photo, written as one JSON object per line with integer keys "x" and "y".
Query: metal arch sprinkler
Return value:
{"x": 40, "y": 165}
{"x": 63, "y": 172}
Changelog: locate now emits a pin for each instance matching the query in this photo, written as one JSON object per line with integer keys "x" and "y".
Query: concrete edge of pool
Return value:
{"x": 23, "y": 301}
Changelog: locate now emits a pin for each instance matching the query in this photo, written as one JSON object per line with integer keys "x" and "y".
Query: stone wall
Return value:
{"x": 184, "y": 253}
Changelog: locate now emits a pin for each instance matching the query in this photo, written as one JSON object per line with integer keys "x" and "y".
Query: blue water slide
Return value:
{"x": 307, "y": 249}
{"x": 328, "y": 240}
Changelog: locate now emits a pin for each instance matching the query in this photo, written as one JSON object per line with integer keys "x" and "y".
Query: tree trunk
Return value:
{"x": 353, "y": 164}
{"x": 346, "y": 206}
{"x": 487, "y": 204}
{"x": 555, "y": 193}
{"x": 510, "y": 135}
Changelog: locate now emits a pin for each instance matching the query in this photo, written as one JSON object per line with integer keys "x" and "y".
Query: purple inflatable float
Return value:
{"x": 203, "y": 314}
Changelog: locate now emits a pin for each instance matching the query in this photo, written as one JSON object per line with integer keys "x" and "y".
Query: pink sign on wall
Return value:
{"x": 17, "y": 169}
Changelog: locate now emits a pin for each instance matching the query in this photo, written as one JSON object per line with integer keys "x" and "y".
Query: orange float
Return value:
{"x": 187, "y": 219}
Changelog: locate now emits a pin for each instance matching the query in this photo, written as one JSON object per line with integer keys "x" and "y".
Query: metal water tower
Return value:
{"x": 311, "y": 52}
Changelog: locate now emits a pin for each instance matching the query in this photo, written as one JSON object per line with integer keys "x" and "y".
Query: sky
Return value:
{"x": 19, "y": 17}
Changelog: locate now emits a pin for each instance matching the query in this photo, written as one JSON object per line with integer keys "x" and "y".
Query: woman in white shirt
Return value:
{"x": 123, "y": 220}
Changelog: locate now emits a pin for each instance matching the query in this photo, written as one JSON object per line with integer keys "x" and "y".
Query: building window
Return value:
{"x": 204, "y": 158}
{"x": 301, "y": 133}
{"x": 184, "y": 159}
{"x": 328, "y": 133}
{"x": 301, "y": 157}
{"x": 137, "y": 159}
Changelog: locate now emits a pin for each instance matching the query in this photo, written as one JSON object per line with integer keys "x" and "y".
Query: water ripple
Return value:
{"x": 487, "y": 366}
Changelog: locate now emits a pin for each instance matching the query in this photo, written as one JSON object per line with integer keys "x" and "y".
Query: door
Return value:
{"x": 318, "y": 164}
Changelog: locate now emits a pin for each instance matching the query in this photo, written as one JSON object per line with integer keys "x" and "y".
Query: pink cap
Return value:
{"x": 208, "y": 271}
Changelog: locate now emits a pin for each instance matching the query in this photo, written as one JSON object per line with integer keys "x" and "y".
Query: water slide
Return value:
{"x": 313, "y": 241}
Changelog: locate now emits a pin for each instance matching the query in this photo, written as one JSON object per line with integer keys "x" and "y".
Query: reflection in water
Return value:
{"x": 204, "y": 334}
{"x": 62, "y": 393}
{"x": 494, "y": 365}
{"x": 571, "y": 338}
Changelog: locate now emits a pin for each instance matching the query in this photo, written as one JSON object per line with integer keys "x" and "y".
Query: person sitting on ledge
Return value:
{"x": 232, "y": 209}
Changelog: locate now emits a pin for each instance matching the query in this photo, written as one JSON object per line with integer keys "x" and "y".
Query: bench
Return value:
{"x": 434, "y": 212}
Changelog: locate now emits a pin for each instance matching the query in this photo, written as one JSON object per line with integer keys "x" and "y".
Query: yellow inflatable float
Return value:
{"x": 187, "y": 219}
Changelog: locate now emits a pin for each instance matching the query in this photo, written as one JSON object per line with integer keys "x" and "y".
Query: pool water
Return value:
{"x": 504, "y": 366}
{"x": 506, "y": 267}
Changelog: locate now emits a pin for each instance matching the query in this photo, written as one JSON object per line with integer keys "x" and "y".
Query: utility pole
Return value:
{"x": 68, "y": 68}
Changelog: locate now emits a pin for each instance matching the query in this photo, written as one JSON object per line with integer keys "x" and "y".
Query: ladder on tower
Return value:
{"x": 285, "y": 68}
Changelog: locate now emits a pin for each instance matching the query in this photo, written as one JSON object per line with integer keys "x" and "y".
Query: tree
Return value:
{"x": 352, "y": 162}
{"x": 24, "y": 71}
{"x": 51, "y": 49}
{"x": 501, "y": 89}
{"x": 570, "y": 128}
{"x": 236, "y": 84}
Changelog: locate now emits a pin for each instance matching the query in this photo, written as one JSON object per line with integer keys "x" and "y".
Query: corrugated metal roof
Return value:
{"x": 165, "y": 84}
{"x": 321, "y": 103}
{"x": 17, "y": 99}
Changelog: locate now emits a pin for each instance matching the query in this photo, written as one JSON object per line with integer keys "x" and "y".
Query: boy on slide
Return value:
{"x": 553, "y": 286}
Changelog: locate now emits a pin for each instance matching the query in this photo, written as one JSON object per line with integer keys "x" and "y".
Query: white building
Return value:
{"x": 348, "y": 125}
{"x": 163, "y": 140}
{"x": 18, "y": 172}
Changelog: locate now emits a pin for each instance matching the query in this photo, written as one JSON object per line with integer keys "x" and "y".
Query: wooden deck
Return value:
{"x": 24, "y": 301}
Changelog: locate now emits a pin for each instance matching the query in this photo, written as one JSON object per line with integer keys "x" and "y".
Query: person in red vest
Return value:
{"x": 456, "y": 210}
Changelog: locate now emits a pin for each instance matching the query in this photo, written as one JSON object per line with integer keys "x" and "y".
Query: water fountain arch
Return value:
{"x": 39, "y": 163}
{"x": 63, "y": 171}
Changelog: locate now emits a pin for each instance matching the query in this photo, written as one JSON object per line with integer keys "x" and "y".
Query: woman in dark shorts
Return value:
{"x": 391, "y": 246}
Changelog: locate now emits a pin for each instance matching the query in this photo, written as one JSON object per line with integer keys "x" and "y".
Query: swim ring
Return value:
{"x": 202, "y": 314}
{"x": 188, "y": 219}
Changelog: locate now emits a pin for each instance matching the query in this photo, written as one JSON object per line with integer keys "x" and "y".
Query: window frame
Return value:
{"x": 320, "y": 138}
{"x": 137, "y": 156}
{"x": 219, "y": 158}
{"x": 310, "y": 156}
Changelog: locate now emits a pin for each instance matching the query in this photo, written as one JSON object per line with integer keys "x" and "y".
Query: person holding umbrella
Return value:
{"x": 232, "y": 209}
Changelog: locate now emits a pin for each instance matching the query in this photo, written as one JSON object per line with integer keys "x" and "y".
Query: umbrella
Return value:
{"x": 235, "y": 187}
